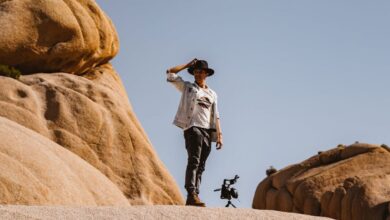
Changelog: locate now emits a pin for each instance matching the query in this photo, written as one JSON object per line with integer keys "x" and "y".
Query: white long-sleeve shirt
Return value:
{"x": 197, "y": 107}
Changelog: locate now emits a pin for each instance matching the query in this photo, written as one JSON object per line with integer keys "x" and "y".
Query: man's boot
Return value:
{"x": 193, "y": 200}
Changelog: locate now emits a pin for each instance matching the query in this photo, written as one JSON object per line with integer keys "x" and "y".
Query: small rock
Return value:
{"x": 271, "y": 170}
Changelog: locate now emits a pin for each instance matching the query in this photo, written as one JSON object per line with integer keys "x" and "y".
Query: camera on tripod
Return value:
{"x": 227, "y": 192}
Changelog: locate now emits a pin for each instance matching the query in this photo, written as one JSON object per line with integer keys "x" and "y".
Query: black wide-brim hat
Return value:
{"x": 201, "y": 64}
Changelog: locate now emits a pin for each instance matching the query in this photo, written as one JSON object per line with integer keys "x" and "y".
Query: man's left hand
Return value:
{"x": 219, "y": 142}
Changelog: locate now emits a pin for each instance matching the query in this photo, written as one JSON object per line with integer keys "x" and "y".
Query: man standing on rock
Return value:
{"x": 198, "y": 116}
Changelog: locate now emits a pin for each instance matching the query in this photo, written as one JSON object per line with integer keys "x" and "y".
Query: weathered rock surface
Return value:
{"x": 91, "y": 116}
{"x": 344, "y": 183}
{"x": 145, "y": 212}
{"x": 36, "y": 171}
{"x": 82, "y": 104}
{"x": 69, "y": 36}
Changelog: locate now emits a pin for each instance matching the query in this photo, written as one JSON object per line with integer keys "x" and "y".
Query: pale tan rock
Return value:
{"x": 145, "y": 213}
{"x": 69, "y": 36}
{"x": 91, "y": 116}
{"x": 344, "y": 183}
{"x": 36, "y": 171}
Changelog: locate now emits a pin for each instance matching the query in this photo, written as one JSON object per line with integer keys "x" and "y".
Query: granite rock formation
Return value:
{"x": 70, "y": 94}
{"x": 36, "y": 171}
{"x": 91, "y": 116}
{"x": 347, "y": 182}
{"x": 71, "y": 36}
{"x": 12, "y": 212}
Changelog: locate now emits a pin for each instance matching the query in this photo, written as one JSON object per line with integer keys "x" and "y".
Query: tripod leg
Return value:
{"x": 233, "y": 205}
{"x": 229, "y": 204}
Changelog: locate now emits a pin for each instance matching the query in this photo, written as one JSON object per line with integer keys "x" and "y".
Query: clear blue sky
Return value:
{"x": 292, "y": 77}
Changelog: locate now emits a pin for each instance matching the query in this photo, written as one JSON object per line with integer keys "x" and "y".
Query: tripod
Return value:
{"x": 230, "y": 203}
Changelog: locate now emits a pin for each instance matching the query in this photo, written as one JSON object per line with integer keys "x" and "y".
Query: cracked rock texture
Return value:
{"x": 71, "y": 36}
{"x": 344, "y": 183}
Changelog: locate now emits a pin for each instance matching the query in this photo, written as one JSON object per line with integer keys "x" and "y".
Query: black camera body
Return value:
{"x": 227, "y": 192}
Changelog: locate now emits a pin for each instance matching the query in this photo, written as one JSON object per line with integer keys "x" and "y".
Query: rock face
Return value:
{"x": 343, "y": 183}
{"x": 70, "y": 94}
{"x": 70, "y": 36}
{"x": 90, "y": 115}
{"x": 144, "y": 212}
{"x": 37, "y": 171}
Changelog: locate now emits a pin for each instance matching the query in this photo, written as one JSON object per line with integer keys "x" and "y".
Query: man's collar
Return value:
{"x": 196, "y": 84}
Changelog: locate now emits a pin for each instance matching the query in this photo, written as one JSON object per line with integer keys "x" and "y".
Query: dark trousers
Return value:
{"x": 198, "y": 145}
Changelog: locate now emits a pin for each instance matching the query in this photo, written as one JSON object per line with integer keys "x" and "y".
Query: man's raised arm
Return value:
{"x": 176, "y": 80}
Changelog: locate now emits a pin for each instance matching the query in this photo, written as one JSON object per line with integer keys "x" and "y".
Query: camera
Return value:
{"x": 227, "y": 192}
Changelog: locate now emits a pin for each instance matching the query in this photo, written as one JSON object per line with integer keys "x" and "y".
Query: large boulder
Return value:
{"x": 36, "y": 171}
{"x": 344, "y": 183}
{"x": 82, "y": 104}
{"x": 69, "y": 36}
{"x": 91, "y": 116}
